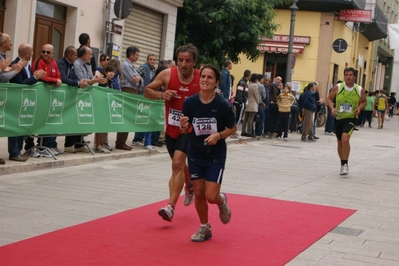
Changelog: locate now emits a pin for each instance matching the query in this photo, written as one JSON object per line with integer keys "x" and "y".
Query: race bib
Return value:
{"x": 204, "y": 126}
{"x": 345, "y": 108}
{"x": 174, "y": 117}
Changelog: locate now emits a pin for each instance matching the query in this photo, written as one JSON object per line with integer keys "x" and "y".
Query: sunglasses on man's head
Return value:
{"x": 44, "y": 52}
{"x": 105, "y": 59}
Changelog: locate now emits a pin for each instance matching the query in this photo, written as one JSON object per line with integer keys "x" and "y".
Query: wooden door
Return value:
{"x": 48, "y": 30}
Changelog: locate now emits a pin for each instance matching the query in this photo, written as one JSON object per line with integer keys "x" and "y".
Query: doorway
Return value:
{"x": 49, "y": 27}
{"x": 275, "y": 65}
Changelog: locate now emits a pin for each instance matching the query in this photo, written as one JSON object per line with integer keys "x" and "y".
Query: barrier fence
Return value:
{"x": 45, "y": 109}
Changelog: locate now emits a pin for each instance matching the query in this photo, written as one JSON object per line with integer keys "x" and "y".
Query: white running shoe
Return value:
{"x": 167, "y": 212}
{"x": 101, "y": 149}
{"x": 149, "y": 148}
{"x": 345, "y": 169}
{"x": 188, "y": 196}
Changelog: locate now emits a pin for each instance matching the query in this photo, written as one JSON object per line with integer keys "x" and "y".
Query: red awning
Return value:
{"x": 280, "y": 47}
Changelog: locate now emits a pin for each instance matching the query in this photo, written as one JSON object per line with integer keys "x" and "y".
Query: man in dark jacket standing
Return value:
{"x": 225, "y": 83}
{"x": 272, "y": 112}
{"x": 242, "y": 95}
{"x": 309, "y": 106}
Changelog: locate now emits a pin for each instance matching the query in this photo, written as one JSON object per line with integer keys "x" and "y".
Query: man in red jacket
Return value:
{"x": 53, "y": 77}
{"x": 47, "y": 63}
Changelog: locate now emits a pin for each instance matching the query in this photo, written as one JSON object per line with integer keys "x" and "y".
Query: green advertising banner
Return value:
{"x": 45, "y": 109}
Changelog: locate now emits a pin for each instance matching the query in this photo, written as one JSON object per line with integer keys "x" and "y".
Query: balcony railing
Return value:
{"x": 377, "y": 29}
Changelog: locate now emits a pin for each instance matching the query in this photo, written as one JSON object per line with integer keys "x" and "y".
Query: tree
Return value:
{"x": 225, "y": 28}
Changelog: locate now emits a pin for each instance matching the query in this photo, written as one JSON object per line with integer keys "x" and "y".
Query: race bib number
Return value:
{"x": 345, "y": 108}
{"x": 204, "y": 126}
{"x": 174, "y": 117}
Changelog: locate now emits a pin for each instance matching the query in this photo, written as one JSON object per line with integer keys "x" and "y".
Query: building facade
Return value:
{"x": 150, "y": 25}
{"x": 330, "y": 36}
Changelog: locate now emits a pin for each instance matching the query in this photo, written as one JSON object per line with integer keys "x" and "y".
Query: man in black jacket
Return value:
{"x": 68, "y": 76}
{"x": 272, "y": 113}
{"x": 242, "y": 95}
{"x": 24, "y": 76}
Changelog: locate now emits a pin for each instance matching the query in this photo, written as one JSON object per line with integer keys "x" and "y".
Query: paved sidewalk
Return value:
{"x": 36, "y": 202}
{"x": 70, "y": 159}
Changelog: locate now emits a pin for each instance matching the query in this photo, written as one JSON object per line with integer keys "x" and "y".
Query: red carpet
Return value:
{"x": 262, "y": 231}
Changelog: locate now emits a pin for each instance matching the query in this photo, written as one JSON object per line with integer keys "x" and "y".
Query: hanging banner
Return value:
{"x": 44, "y": 109}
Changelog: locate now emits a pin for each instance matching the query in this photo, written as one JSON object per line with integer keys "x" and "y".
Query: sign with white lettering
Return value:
{"x": 113, "y": 28}
{"x": 355, "y": 15}
{"x": 286, "y": 38}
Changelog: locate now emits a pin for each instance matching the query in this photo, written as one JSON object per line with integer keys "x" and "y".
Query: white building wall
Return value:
{"x": 84, "y": 16}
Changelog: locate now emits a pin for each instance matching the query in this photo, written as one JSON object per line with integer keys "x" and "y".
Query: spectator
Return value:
{"x": 242, "y": 95}
{"x": 84, "y": 40}
{"x": 272, "y": 113}
{"x": 309, "y": 107}
{"x": 131, "y": 82}
{"x": 69, "y": 77}
{"x": 225, "y": 84}
{"x": 8, "y": 72}
{"x": 47, "y": 63}
{"x": 83, "y": 72}
{"x": 25, "y": 52}
{"x": 147, "y": 73}
{"x": 118, "y": 72}
{"x": 261, "y": 107}
{"x": 392, "y": 103}
{"x": 252, "y": 108}
{"x": 100, "y": 144}
{"x": 104, "y": 59}
{"x": 284, "y": 102}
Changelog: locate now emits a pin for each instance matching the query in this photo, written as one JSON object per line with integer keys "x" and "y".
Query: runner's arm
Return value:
{"x": 330, "y": 99}
{"x": 151, "y": 91}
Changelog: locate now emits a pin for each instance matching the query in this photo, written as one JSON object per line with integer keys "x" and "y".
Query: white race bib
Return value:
{"x": 174, "y": 117}
{"x": 205, "y": 126}
{"x": 345, "y": 108}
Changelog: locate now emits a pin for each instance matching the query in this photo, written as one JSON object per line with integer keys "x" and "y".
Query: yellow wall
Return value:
{"x": 357, "y": 44}
{"x": 307, "y": 24}
{"x": 310, "y": 66}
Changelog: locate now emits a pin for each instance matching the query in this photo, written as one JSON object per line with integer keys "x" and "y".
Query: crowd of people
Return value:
{"x": 267, "y": 108}
{"x": 201, "y": 110}
{"x": 77, "y": 68}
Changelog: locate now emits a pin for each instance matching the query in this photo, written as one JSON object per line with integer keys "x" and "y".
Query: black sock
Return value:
{"x": 342, "y": 162}
{"x": 345, "y": 161}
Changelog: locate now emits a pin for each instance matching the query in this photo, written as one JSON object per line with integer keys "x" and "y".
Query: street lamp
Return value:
{"x": 293, "y": 9}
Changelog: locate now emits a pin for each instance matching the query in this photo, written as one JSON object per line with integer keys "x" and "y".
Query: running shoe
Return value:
{"x": 345, "y": 169}
{"x": 167, "y": 212}
{"x": 224, "y": 210}
{"x": 204, "y": 233}
{"x": 188, "y": 196}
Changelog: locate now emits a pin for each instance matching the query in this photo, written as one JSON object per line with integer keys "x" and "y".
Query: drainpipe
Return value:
{"x": 105, "y": 33}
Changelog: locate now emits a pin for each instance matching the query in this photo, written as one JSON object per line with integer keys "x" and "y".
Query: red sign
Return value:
{"x": 355, "y": 15}
{"x": 286, "y": 39}
{"x": 270, "y": 48}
